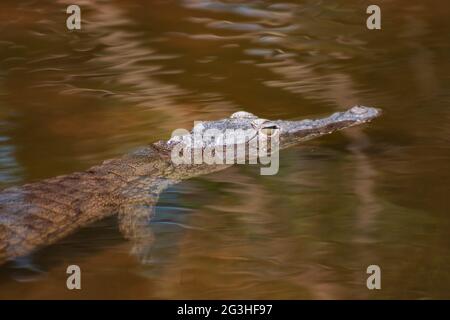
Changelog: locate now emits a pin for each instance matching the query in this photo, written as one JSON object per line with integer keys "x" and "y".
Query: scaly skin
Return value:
{"x": 38, "y": 214}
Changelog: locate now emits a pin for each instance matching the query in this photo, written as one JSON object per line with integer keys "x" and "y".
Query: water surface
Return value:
{"x": 139, "y": 69}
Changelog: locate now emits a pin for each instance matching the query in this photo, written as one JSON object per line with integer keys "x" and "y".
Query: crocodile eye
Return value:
{"x": 269, "y": 130}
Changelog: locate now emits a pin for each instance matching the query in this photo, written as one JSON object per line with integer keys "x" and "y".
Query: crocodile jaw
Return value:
{"x": 293, "y": 132}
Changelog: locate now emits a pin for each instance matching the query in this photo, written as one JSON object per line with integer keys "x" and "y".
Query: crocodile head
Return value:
{"x": 244, "y": 127}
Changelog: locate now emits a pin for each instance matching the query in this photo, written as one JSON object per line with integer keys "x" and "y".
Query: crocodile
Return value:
{"x": 38, "y": 214}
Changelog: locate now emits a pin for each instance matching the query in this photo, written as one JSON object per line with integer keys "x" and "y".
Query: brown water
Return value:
{"x": 139, "y": 69}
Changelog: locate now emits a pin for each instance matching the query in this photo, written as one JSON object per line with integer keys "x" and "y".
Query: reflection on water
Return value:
{"x": 138, "y": 70}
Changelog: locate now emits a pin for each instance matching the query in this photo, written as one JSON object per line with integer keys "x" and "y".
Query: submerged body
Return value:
{"x": 41, "y": 213}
